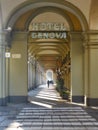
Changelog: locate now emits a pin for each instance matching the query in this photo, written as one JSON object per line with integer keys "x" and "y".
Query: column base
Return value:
{"x": 78, "y": 99}
{"x": 18, "y": 99}
{"x": 3, "y": 101}
{"x": 92, "y": 101}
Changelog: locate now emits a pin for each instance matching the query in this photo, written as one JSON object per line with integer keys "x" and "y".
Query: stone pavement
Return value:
{"x": 47, "y": 111}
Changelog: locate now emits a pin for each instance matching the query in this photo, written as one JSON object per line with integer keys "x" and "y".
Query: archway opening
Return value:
{"x": 49, "y": 75}
{"x": 49, "y": 47}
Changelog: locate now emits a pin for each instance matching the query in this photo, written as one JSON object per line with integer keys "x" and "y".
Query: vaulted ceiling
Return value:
{"x": 47, "y": 51}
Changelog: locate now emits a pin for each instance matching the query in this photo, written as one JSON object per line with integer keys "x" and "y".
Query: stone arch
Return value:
{"x": 64, "y": 5}
{"x": 72, "y": 14}
{"x": 54, "y": 10}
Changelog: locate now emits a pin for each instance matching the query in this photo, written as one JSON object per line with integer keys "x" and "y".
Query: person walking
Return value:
{"x": 48, "y": 83}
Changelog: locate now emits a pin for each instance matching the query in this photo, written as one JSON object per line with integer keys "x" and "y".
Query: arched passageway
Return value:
{"x": 39, "y": 43}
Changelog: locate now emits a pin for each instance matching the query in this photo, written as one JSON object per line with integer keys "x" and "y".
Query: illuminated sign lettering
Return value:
{"x": 48, "y": 35}
{"x": 48, "y": 27}
{"x": 48, "y": 31}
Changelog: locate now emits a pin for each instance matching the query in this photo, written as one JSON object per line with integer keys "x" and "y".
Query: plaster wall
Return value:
{"x": 77, "y": 66}
{"x": 94, "y": 15}
{"x": 18, "y": 67}
{"x": 53, "y": 17}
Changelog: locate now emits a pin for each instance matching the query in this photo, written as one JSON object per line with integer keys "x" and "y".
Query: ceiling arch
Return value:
{"x": 56, "y": 49}
{"x": 62, "y": 48}
{"x": 63, "y": 5}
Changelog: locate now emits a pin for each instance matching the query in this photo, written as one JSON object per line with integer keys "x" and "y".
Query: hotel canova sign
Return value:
{"x": 48, "y": 31}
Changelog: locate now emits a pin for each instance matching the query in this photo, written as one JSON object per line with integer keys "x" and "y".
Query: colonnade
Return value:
{"x": 36, "y": 74}
{"x": 81, "y": 77}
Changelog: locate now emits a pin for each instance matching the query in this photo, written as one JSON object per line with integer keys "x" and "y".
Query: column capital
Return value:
{"x": 76, "y": 36}
{"x": 20, "y": 36}
{"x": 90, "y": 38}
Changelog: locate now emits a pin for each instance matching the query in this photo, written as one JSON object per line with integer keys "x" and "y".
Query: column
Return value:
{"x": 18, "y": 90}
{"x": 86, "y": 67}
{"x": 2, "y": 70}
{"x": 77, "y": 83}
{"x": 3, "y": 89}
{"x": 7, "y": 73}
{"x": 92, "y": 97}
{"x": 35, "y": 84}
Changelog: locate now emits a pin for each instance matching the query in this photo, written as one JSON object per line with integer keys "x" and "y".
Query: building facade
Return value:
{"x": 38, "y": 36}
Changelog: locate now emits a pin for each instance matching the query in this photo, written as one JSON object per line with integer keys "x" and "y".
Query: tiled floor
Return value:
{"x": 47, "y": 111}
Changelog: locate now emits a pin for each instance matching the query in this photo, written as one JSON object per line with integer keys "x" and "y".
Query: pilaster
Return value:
{"x": 91, "y": 68}
{"x": 2, "y": 69}
{"x": 18, "y": 68}
{"x": 77, "y": 67}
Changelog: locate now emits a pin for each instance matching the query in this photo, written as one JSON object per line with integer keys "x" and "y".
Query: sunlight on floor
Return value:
{"x": 14, "y": 125}
{"x": 44, "y": 96}
{"x": 42, "y": 92}
{"x": 47, "y": 97}
{"x": 59, "y": 118}
{"x": 41, "y": 104}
